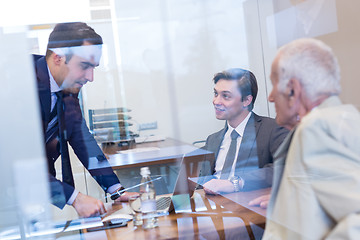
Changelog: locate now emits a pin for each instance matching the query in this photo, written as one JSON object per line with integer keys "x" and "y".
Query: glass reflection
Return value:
{"x": 158, "y": 58}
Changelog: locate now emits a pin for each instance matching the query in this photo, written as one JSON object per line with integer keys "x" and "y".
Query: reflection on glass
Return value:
{"x": 304, "y": 19}
{"x": 24, "y": 201}
{"x": 157, "y": 60}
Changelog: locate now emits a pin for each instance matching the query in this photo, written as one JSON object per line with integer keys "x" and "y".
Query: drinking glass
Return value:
{"x": 135, "y": 205}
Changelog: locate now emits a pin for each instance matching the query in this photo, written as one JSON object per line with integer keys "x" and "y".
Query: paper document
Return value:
{"x": 137, "y": 150}
{"x": 124, "y": 213}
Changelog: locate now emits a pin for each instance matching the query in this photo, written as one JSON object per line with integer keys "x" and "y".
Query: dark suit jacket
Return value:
{"x": 262, "y": 137}
{"x": 79, "y": 137}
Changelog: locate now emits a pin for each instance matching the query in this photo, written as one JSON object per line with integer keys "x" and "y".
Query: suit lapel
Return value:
{"x": 218, "y": 140}
{"x": 44, "y": 88}
{"x": 248, "y": 141}
{"x": 215, "y": 144}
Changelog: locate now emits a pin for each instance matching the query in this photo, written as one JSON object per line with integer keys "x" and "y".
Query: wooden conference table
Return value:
{"x": 151, "y": 153}
{"x": 212, "y": 217}
{"x": 163, "y": 157}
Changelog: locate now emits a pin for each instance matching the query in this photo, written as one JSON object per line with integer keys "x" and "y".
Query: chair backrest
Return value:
{"x": 199, "y": 143}
{"x": 190, "y": 167}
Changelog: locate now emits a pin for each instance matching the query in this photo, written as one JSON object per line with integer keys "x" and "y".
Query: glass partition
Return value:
{"x": 151, "y": 101}
{"x": 23, "y": 172}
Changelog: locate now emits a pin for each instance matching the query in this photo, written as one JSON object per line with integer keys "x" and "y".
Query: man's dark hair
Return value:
{"x": 247, "y": 84}
{"x": 72, "y": 34}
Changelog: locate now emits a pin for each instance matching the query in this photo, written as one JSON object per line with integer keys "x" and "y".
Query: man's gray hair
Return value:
{"x": 313, "y": 64}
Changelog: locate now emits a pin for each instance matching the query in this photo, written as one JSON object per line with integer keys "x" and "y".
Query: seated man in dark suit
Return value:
{"x": 73, "y": 51}
{"x": 248, "y": 141}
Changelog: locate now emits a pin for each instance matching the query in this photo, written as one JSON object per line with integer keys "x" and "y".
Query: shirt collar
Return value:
{"x": 240, "y": 128}
{"x": 53, "y": 85}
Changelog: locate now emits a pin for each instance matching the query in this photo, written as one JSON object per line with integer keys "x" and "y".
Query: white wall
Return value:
{"x": 345, "y": 43}
{"x": 332, "y": 21}
{"x": 160, "y": 59}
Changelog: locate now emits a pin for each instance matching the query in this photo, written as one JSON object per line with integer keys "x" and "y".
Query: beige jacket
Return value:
{"x": 316, "y": 187}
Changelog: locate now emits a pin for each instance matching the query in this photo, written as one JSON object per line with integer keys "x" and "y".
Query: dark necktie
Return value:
{"x": 230, "y": 156}
{"x": 65, "y": 158}
{"x": 54, "y": 128}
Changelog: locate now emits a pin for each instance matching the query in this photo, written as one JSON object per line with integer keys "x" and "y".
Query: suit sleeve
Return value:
{"x": 58, "y": 191}
{"x": 104, "y": 176}
{"x": 207, "y": 166}
{"x": 86, "y": 147}
{"x": 269, "y": 138}
{"x": 278, "y": 134}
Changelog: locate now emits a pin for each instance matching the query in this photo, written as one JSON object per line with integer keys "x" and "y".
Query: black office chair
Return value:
{"x": 199, "y": 143}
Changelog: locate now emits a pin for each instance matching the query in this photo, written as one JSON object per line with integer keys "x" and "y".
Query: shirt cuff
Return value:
{"x": 73, "y": 196}
{"x": 238, "y": 183}
{"x": 113, "y": 188}
{"x": 242, "y": 184}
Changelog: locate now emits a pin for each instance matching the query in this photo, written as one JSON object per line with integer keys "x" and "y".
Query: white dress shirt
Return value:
{"x": 225, "y": 145}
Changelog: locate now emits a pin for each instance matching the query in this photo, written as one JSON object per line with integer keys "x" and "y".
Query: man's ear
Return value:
{"x": 293, "y": 91}
{"x": 247, "y": 101}
{"x": 56, "y": 59}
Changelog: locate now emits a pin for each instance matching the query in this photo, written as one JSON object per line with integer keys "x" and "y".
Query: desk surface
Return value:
{"x": 211, "y": 218}
{"x": 111, "y": 149}
{"x": 145, "y": 154}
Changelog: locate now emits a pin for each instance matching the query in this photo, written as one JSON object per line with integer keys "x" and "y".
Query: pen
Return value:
{"x": 117, "y": 194}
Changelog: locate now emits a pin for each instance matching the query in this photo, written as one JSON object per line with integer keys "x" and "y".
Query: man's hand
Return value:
{"x": 215, "y": 186}
{"x": 87, "y": 206}
{"x": 262, "y": 201}
{"x": 126, "y": 196}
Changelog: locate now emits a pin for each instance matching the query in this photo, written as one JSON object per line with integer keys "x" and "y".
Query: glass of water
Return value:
{"x": 135, "y": 205}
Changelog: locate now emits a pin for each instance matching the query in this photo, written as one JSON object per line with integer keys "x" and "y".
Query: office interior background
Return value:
{"x": 158, "y": 60}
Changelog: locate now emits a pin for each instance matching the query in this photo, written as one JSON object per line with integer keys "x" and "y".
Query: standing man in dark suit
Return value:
{"x": 248, "y": 141}
{"x": 73, "y": 51}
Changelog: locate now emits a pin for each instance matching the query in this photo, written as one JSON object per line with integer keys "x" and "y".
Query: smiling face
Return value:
{"x": 228, "y": 102}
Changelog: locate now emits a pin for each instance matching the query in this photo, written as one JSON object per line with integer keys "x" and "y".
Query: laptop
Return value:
{"x": 179, "y": 199}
